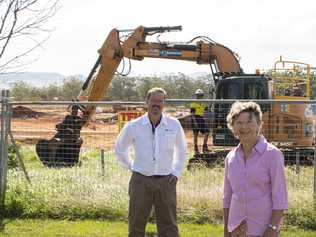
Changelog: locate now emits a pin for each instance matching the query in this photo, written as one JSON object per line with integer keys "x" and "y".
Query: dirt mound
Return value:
{"x": 25, "y": 112}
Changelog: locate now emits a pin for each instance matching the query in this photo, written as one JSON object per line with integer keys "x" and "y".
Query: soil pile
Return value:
{"x": 25, "y": 112}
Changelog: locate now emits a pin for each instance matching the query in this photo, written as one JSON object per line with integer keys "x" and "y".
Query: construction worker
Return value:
{"x": 198, "y": 122}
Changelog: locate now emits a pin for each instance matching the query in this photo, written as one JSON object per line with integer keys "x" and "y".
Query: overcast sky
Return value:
{"x": 258, "y": 30}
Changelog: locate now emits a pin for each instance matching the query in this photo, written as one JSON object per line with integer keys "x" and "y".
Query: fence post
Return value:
{"x": 315, "y": 165}
{"x": 3, "y": 148}
{"x": 102, "y": 162}
{"x": 297, "y": 162}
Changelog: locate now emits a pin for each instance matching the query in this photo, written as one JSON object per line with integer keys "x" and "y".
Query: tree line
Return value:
{"x": 124, "y": 88}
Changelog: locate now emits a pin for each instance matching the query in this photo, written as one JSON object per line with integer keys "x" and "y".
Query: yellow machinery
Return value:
{"x": 290, "y": 124}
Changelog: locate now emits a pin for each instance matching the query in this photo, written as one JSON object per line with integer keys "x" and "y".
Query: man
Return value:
{"x": 198, "y": 122}
{"x": 160, "y": 152}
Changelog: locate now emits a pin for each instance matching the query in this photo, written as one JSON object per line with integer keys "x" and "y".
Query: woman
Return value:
{"x": 255, "y": 193}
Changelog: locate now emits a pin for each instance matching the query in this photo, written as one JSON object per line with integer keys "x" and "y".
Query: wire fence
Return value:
{"x": 68, "y": 161}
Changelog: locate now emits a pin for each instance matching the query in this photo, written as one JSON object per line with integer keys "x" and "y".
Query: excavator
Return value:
{"x": 63, "y": 149}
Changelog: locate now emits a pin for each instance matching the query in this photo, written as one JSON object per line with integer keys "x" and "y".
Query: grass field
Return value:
{"x": 84, "y": 193}
{"x": 92, "y": 228}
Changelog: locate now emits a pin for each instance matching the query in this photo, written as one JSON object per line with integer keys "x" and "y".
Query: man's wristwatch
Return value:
{"x": 273, "y": 227}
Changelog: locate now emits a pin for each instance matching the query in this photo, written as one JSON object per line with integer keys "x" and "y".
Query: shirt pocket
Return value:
{"x": 169, "y": 141}
{"x": 259, "y": 176}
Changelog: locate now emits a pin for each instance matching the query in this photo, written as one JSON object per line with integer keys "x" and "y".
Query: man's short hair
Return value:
{"x": 154, "y": 90}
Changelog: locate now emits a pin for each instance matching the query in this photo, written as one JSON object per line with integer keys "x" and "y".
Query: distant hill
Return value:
{"x": 38, "y": 79}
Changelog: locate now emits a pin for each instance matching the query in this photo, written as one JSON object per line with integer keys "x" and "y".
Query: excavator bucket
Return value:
{"x": 64, "y": 148}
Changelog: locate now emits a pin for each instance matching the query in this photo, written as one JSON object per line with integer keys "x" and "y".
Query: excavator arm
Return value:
{"x": 135, "y": 47}
{"x": 63, "y": 149}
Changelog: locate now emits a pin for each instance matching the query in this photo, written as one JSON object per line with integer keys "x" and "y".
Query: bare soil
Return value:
{"x": 32, "y": 123}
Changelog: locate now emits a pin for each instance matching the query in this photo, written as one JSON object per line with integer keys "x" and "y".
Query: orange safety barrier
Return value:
{"x": 125, "y": 116}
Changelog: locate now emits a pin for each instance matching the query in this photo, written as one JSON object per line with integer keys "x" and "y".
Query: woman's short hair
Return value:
{"x": 240, "y": 107}
{"x": 154, "y": 90}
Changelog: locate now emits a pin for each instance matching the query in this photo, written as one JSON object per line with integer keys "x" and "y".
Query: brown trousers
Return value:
{"x": 148, "y": 191}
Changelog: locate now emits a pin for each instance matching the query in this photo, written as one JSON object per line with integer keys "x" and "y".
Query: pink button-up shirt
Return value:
{"x": 254, "y": 188}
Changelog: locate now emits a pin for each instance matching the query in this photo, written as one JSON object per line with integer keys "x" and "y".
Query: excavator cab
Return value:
{"x": 247, "y": 86}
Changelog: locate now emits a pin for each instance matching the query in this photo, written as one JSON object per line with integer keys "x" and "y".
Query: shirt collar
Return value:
{"x": 260, "y": 146}
{"x": 147, "y": 121}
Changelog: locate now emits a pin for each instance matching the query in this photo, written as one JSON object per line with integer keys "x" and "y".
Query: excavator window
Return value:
{"x": 229, "y": 90}
{"x": 241, "y": 89}
{"x": 254, "y": 91}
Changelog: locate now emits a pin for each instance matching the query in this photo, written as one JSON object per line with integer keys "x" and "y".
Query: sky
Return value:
{"x": 259, "y": 31}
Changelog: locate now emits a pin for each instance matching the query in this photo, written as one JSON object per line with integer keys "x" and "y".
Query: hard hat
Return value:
{"x": 199, "y": 92}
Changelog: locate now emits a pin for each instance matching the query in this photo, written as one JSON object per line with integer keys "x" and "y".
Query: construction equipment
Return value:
{"x": 292, "y": 123}
{"x": 63, "y": 149}
{"x": 230, "y": 80}
{"x": 287, "y": 125}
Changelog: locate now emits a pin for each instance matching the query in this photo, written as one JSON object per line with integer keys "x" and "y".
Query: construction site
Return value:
{"x": 65, "y": 149}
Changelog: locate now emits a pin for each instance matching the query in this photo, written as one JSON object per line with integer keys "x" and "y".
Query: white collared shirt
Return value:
{"x": 160, "y": 153}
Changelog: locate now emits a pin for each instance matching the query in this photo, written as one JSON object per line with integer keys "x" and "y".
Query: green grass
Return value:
{"x": 83, "y": 192}
{"x": 94, "y": 228}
